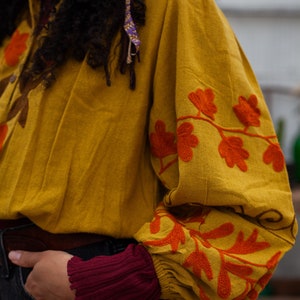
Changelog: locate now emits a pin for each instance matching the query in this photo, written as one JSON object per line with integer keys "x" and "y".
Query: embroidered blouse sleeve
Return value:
{"x": 227, "y": 216}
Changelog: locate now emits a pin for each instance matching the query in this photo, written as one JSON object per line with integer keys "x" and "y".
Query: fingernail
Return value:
{"x": 14, "y": 255}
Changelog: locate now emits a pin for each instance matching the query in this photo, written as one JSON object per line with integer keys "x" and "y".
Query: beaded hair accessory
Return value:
{"x": 130, "y": 29}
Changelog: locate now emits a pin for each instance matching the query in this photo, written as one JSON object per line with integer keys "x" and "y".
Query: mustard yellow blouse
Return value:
{"x": 84, "y": 157}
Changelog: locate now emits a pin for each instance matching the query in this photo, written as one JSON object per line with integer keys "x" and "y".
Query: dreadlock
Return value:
{"x": 79, "y": 29}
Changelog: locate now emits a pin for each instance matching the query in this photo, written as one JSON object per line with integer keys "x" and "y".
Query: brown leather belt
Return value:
{"x": 23, "y": 235}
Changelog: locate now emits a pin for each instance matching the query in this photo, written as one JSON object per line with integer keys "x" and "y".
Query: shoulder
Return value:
{"x": 183, "y": 4}
{"x": 194, "y": 8}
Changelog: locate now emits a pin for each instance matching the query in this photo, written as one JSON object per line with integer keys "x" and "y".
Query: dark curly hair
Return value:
{"x": 79, "y": 29}
{"x": 9, "y": 13}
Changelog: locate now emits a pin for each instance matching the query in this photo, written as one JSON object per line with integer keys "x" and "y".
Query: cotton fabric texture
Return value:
{"x": 89, "y": 158}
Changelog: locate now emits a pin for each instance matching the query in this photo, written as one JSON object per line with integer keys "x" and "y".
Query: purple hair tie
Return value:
{"x": 131, "y": 31}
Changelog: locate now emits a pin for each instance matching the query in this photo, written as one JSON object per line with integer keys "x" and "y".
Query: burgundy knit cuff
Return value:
{"x": 127, "y": 275}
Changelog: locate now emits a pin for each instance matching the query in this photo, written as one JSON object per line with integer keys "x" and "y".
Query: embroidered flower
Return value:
{"x": 3, "y": 133}
{"x": 275, "y": 156}
{"x": 15, "y": 48}
{"x": 203, "y": 100}
{"x": 231, "y": 150}
{"x": 162, "y": 142}
{"x": 247, "y": 111}
{"x": 186, "y": 141}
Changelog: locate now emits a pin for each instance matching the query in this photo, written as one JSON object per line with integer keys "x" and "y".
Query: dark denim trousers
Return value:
{"x": 12, "y": 288}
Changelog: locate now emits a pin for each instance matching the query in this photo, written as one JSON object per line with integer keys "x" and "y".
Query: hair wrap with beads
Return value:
{"x": 130, "y": 29}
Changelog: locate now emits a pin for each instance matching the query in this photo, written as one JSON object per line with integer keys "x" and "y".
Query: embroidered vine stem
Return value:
{"x": 221, "y": 129}
{"x": 231, "y": 259}
{"x": 165, "y": 167}
{"x": 231, "y": 147}
{"x": 21, "y": 104}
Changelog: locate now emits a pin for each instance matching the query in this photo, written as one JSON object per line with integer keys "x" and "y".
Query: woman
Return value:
{"x": 138, "y": 159}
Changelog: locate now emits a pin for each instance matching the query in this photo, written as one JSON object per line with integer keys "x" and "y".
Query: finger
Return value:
{"x": 24, "y": 258}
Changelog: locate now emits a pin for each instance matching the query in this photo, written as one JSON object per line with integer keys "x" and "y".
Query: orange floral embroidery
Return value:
{"x": 263, "y": 281}
{"x": 162, "y": 142}
{"x": 186, "y": 141}
{"x": 271, "y": 264}
{"x": 15, "y": 48}
{"x": 202, "y": 294}
{"x": 155, "y": 224}
{"x": 199, "y": 262}
{"x": 174, "y": 239}
{"x": 220, "y": 232}
{"x": 275, "y": 156}
{"x": 231, "y": 147}
{"x": 249, "y": 245}
{"x": 3, "y": 133}
{"x": 274, "y": 260}
{"x": 163, "y": 145}
{"x": 231, "y": 150}
{"x": 203, "y": 100}
{"x": 247, "y": 111}
{"x": 232, "y": 261}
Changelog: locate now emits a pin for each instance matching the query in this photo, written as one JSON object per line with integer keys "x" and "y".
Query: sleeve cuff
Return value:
{"x": 175, "y": 282}
{"x": 126, "y": 275}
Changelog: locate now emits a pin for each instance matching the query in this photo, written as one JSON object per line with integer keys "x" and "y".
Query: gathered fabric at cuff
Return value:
{"x": 176, "y": 282}
{"x": 126, "y": 275}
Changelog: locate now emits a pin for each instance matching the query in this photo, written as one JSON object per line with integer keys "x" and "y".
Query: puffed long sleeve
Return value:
{"x": 226, "y": 217}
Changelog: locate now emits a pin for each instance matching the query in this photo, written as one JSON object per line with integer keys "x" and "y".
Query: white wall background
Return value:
{"x": 269, "y": 32}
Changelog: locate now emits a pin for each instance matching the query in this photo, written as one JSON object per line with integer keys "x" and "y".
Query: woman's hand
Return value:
{"x": 48, "y": 279}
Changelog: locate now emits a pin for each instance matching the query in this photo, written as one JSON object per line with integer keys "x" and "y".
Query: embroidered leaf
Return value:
{"x": 202, "y": 294}
{"x": 231, "y": 150}
{"x": 220, "y": 232}
{"x": 253, "y": 295}
{"x": 243, "y": 295}
{"x": 238, "y": 270}
{"x": 3, "y": 133}
{"x": 186, "y": 141}
{"x": 271, "y": 264}
{"x": 263, "y": 281}
{"x": 15, "y": 48}
{"x": 155, "y": 224}
{"x": 162, "y": 142}
{"x": 247, "y": 111}
{"x": 23, "y": 115}
{"x": 224, "y": 284}
{"x": 3, "y": 84}
{"x": 275, "y": 156}
{"x": 174, "y": 239}
{"x": 250, "y": 245}
{"x": 196, "y": 234}
{"x": 203, "y": 100}
{"x": 18, "y": 105}
{"x": 198, "y": 261}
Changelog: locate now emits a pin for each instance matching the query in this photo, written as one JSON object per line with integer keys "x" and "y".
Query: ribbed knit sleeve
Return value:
{"x": 126, "y": 275}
